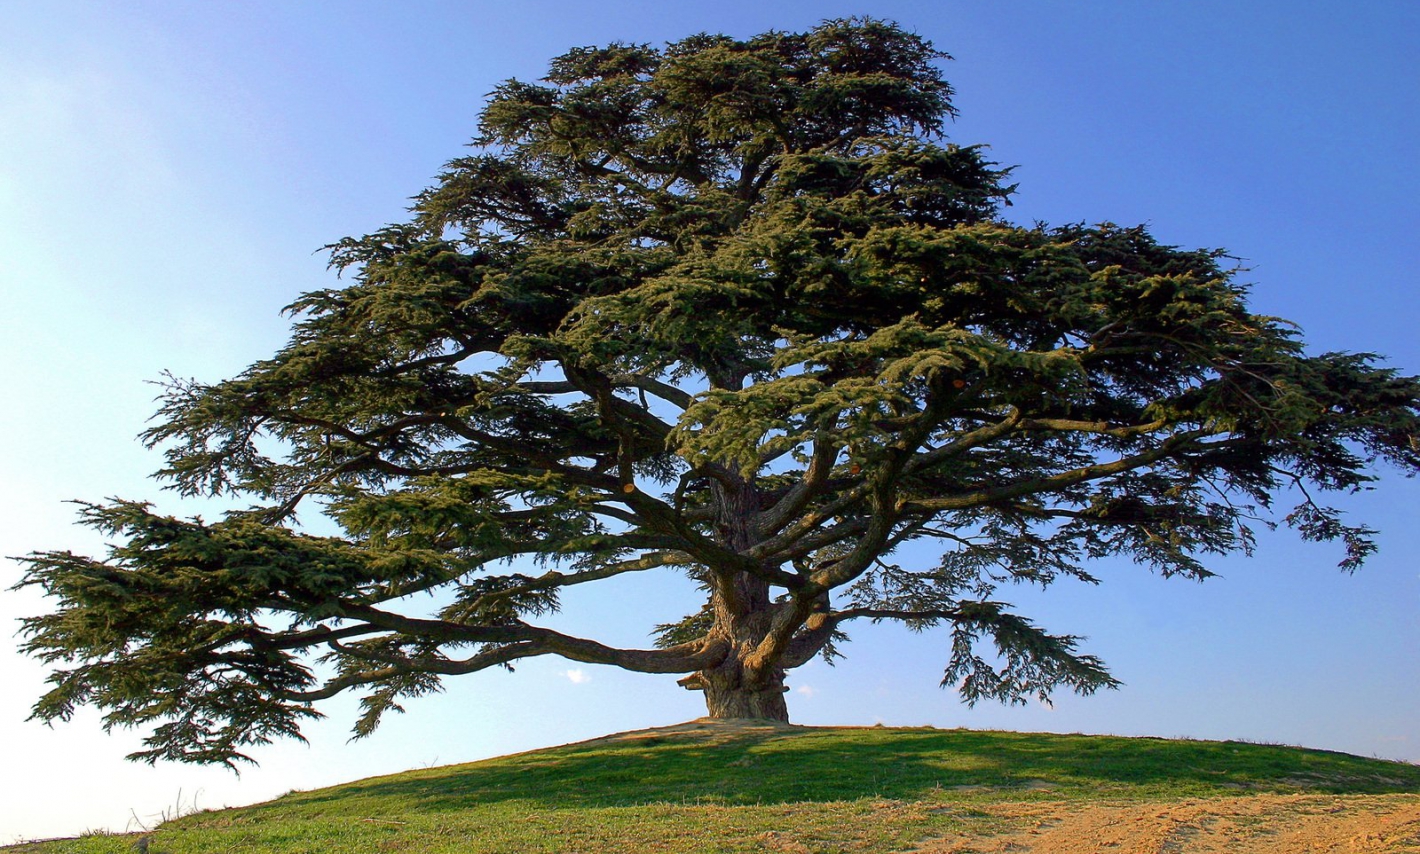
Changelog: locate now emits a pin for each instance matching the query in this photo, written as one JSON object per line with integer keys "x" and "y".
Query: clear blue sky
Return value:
{"x": 167, "y": 171}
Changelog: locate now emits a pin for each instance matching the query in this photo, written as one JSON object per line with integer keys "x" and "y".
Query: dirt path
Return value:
{"x": 1256, "y": 824}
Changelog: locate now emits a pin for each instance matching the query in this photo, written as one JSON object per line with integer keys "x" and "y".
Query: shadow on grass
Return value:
{"x": 847, "y": 764}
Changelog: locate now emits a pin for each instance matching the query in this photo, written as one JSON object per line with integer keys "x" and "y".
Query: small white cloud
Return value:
{"x": 807, "y": 690}
{"x": 577, "y": 676}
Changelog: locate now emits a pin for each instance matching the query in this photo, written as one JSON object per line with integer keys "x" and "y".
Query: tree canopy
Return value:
{"x": 731, "y": 309}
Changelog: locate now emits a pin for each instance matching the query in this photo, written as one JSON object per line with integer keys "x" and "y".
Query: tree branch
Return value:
{"x": 1172, "y": 445}
{"x": 682, "y": 658}
{"x": 800, "y": 494}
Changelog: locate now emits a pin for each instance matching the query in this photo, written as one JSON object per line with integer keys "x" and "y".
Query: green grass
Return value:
{"x": 767, "y": 789}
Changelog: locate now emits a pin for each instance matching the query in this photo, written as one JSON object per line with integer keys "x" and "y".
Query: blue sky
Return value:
{"x": 168, "y": 171}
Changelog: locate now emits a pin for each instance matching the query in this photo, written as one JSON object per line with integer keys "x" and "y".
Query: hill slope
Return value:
{"x": 725, "y": 787}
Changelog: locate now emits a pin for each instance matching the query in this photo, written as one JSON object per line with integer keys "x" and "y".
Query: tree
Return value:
{"x": 731, "y": 309}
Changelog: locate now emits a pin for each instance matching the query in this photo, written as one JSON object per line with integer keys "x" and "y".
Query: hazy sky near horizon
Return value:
{"x": 169, "y": 171}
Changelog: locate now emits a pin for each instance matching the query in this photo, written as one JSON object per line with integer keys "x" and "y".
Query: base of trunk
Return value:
{"x": 763, "y": 704}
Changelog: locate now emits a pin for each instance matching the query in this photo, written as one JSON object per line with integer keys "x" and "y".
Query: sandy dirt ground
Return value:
{"x": 1255, "y": 824}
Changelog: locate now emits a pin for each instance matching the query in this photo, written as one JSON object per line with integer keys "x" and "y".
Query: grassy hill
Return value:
{"x": 718, "y": 787}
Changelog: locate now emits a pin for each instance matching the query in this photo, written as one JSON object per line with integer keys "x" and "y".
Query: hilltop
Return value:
{"x": 710, "y": 786}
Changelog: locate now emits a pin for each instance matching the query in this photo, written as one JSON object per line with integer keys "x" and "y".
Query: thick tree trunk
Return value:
{"x": 741, "y": 686}
{"x": 733, "y": 689}
{"x": 766, "y": 703}
{"x": 733, "y": 692}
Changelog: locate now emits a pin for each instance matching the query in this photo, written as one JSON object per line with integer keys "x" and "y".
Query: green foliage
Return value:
{"x": 733, "y": 309}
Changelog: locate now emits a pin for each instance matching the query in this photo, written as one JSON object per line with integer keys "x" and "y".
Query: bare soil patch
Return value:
{"x": 710, "y": 730}
{"x": 1254, "y": 824}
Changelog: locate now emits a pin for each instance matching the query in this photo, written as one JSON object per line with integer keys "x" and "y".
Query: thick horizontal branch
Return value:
{"x": 683, "y": 658}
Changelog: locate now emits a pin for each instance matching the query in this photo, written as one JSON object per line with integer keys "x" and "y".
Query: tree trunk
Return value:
{"x": 765, "y": 703}
{"x": 733, "y": 692}
{"x": 742, "y": 609}
{"x": 741, "y": 686}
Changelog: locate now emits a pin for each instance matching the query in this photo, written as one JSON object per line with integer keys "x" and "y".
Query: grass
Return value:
{"x": 713, "y": 788}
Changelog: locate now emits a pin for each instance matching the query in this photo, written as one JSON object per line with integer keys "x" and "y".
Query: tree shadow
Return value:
{"x": 809, "y": 765}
